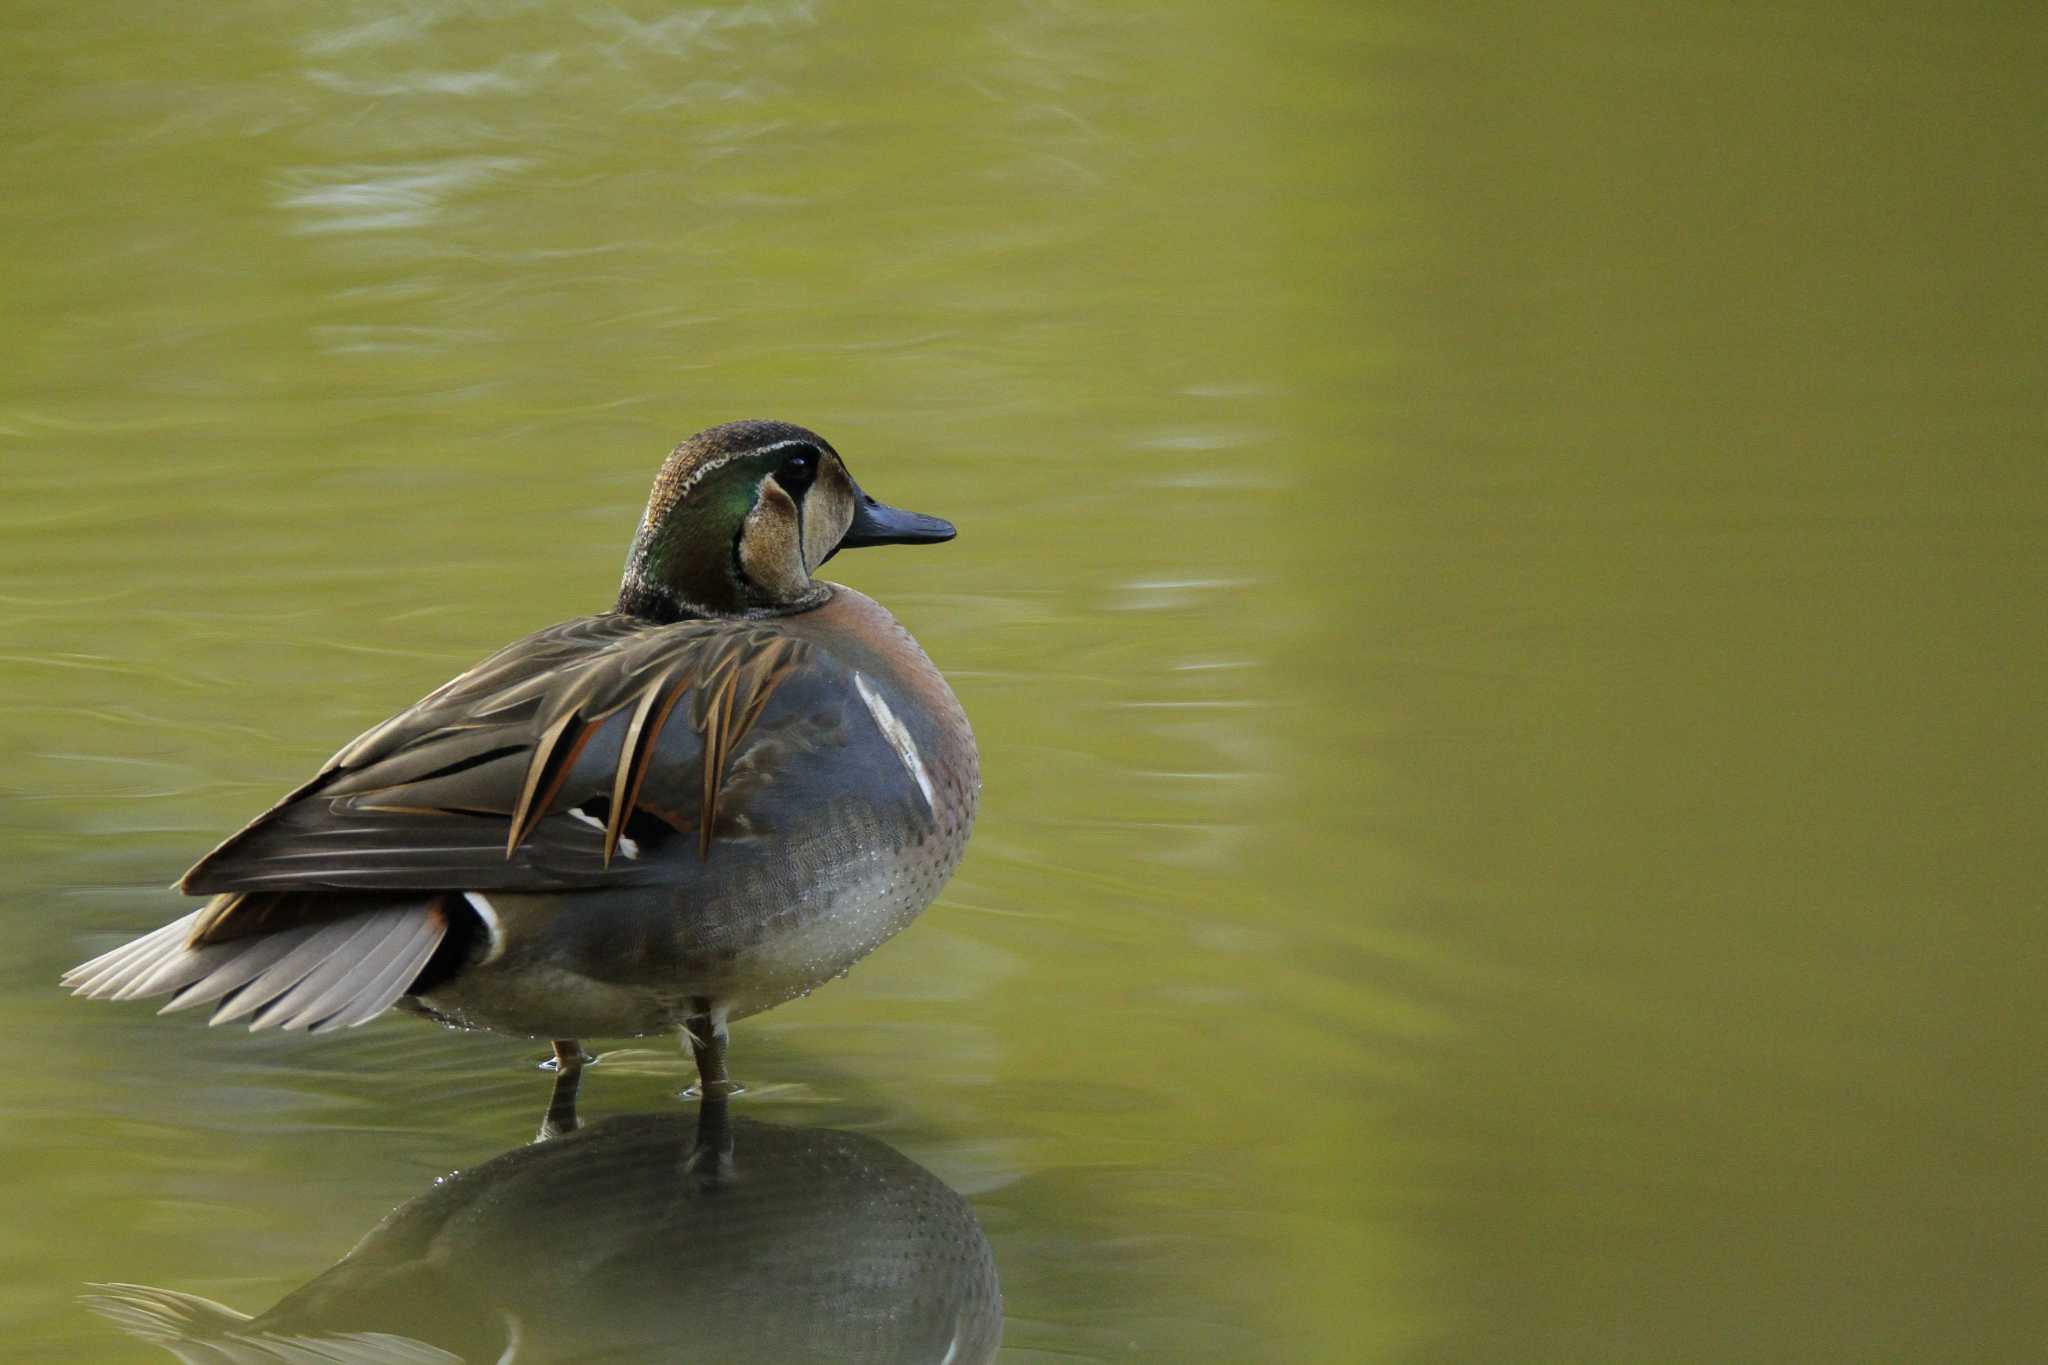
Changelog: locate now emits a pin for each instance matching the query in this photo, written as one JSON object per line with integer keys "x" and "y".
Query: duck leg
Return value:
{"x": 705, "y": 1032}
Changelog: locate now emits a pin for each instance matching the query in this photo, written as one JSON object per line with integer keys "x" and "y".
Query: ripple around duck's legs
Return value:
{"x": 568, "y": 1053}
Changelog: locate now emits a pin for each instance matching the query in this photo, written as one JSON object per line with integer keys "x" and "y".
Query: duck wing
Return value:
{"x": 537, "y": 769}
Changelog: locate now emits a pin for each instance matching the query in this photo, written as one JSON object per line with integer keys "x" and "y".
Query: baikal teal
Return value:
{"x": 705, "y": 802}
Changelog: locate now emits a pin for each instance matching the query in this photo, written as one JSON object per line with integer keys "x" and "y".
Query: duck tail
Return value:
{"x": 327, "y": 973}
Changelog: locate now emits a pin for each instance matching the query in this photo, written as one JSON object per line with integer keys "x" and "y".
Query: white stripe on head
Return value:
{"x": 698, "y": 474}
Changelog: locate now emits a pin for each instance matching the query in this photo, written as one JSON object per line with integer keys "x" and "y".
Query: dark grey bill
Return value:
{"x": 877, "y": 523}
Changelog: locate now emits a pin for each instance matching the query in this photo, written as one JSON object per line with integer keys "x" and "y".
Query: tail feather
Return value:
{"x": 271, "y": 990}
{"x": 197, "y": 975}
{"x": 109, "y": 973}
{"x": 369, "y": 987}
{"x": 328, "y": 974}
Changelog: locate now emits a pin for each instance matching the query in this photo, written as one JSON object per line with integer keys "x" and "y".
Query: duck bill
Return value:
{"x": 877, "y": 523}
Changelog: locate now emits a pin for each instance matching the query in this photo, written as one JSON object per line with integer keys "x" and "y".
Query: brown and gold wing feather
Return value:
{"x": 528, "y": 771}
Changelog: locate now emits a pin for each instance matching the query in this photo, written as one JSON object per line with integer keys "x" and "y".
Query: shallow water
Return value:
{"x": 1498, "y": 585}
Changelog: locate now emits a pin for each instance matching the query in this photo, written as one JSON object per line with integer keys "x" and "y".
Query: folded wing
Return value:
{"x": 554, "y": 764}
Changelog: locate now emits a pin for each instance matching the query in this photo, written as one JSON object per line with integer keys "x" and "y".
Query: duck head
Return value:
{"x": 743, "y": 514}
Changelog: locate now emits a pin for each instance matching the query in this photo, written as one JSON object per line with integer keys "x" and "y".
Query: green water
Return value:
{"x": 1499, "y": 585}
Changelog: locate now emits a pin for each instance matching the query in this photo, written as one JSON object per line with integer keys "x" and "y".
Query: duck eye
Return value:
{"x": 797, "y": 472}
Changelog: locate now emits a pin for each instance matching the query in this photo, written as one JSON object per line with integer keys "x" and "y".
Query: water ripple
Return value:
{"x": 384, "y": 198}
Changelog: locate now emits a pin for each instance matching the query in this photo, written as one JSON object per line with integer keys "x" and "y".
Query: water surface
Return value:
{"x": 1498, "y": 584}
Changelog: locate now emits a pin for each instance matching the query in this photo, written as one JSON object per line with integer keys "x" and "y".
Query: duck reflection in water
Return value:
{"x": 645, "y": 1237}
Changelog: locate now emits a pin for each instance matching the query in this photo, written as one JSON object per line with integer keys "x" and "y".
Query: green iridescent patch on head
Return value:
{"x": 690, "y": 552}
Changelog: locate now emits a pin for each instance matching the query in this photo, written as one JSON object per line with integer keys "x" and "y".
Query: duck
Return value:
{"x": 707, "y": 801}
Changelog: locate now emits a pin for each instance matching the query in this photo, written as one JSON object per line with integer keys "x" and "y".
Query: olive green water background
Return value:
{"x": 1500, "y": 586}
